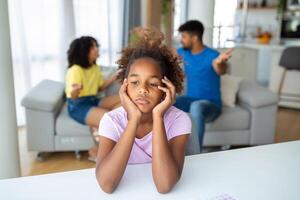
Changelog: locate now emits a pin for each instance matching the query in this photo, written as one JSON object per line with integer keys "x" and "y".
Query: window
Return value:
{"x": 101, "y": 19}
{"x": 224, "y": 28}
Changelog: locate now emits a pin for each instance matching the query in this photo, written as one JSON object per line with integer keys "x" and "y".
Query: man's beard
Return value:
{"x": 186, "y": 47}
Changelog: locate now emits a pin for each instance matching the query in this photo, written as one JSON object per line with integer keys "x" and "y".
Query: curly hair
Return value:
{"x": 79, "y": 50}
{"x": 148, "y": 43}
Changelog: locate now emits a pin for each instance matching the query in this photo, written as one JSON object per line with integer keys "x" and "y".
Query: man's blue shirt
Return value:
{"x": 202, "y": 80}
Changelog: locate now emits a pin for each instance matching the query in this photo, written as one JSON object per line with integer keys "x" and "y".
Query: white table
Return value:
{"x": 262, "y": 172}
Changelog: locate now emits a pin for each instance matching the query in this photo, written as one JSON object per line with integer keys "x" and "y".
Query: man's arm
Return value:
{"x": 220, "y": 64}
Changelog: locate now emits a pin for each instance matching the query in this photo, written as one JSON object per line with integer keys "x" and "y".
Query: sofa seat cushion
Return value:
{"x": 65, "y": 125}
{"x": 232, "y": 118}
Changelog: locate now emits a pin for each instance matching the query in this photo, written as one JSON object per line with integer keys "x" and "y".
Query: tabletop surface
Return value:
{"x": 262, "y": 172}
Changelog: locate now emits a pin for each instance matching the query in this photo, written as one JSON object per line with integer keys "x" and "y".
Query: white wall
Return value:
{"x": 9, "y": 152}
{"x": 203, "y": 10}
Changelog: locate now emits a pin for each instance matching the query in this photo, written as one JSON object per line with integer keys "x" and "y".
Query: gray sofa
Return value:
{"x": 251, "y": 122}
{"x": 50, "y": 129}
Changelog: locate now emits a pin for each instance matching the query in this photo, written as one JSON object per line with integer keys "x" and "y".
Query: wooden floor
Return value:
{"x": 288, "y": 125}
{"x": 54, "y": 162}
{"x": 288, "y": 129}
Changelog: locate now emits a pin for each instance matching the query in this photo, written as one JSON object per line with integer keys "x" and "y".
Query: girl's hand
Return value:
{"x": 170, "y": 98}
{"x": 76, "y": 88}
{"x": 132, "y": 110}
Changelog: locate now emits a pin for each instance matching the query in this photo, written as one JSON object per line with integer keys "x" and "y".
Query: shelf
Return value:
{"x": 260, "y": 8}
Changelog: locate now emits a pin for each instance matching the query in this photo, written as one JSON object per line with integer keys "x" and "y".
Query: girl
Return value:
{"x": 83, "y": 81}
{"x": 146, "y": 128}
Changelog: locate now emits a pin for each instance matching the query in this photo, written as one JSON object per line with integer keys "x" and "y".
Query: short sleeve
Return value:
{"x": 107, "y": 128}
{"x": 181, "y": 125}
{"x": 73, "y": 77}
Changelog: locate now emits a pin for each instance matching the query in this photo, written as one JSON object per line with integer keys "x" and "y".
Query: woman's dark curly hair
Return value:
{"x": 148, "y": 43}
{"x": 79, "y": 50}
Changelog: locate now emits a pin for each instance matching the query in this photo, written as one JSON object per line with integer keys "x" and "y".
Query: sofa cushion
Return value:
{"x": 65, "y": 125}
{"x": 229, "y": 88}
{"x": 46, "y": 96}
{"x": 236, "y": 118}
{"x": 256, "y": 96}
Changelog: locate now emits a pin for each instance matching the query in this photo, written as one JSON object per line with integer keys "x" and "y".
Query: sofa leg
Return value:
{"x": 225, "y": 147}
{"x": 77, "y": 154}
{"x": 41, "y": 156}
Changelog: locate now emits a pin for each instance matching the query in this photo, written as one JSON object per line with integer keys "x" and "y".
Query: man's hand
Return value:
{"x": 220, "y": 63}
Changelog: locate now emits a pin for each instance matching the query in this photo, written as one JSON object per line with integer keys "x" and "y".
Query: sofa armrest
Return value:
{"x": 256, "y": 96}
{"x": 46, "y": 96}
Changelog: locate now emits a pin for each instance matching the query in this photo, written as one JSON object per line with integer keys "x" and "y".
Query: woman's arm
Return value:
{"x": 76, "y": 88}
{"x": 167, "y": 157}
{"x": 110, "y": 80}
{"x": 107, "y": 82}
{"x": 113, "y": 157}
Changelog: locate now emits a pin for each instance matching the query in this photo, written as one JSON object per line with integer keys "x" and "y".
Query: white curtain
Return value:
{"x": 41, "y": 31}
{"x": 102, "y": 19}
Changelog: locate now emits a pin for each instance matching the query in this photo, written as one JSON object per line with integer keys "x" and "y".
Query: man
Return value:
{"x": 203, "y": 67}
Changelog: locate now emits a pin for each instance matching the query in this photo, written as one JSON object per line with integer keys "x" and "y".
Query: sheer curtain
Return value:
{"x": 102, "y": 19}
{"x": 41, "y": 31}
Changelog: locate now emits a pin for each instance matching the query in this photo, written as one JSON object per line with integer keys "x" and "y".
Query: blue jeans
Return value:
{"x": 202, "y": 111}
{"x": 79, "y": 108}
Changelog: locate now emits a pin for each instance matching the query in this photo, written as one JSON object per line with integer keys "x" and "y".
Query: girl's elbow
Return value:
{"x": 106, "y": 185}
{"x": 107, "y": 188}
{"x": 164, "y": 188}
{"x": 165, "y": 185}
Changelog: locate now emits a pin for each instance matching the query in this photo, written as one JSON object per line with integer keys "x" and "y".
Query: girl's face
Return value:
{"x": 144, "y": 77}
{"x": 93, "y": 53}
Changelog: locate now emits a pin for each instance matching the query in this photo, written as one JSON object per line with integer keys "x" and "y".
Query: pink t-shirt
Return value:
{"x": 113, "y": 124}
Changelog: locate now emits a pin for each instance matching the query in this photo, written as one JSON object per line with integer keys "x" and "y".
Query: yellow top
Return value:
{"x": 91, "y": 79}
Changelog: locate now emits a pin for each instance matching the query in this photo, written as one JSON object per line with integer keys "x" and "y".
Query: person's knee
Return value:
{"x": 198, "y": 106}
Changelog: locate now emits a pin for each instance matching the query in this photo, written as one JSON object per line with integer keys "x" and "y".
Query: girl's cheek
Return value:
{"x": 130, "y": 91}
{"x": 158, "y": 94}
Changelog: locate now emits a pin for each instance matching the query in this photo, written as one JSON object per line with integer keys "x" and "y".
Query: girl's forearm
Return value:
{"x": 111, "y": 168}
{"x": 165, "y": 170}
